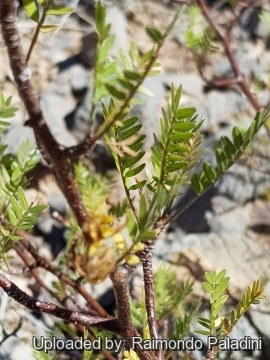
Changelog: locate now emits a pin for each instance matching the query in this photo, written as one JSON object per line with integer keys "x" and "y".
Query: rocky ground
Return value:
{"x": 229, "y": 226}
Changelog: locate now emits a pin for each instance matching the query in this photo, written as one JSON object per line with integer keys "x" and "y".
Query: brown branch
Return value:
{"x": 52, "y": 152}
{"x": 121, "y": 290}
{"x": 40, "y": 262}
{"x": 148, "y": 277}
{"x": 210, "y": 355}
{"x": 71, "y": 316}
{"x": 225, "y": 40}
{"x": 74, "y": 284}
{"x": 84, "y": 309}
{"x": 26, "y": 260}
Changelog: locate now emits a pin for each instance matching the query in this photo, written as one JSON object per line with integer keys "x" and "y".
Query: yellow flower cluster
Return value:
{"x": 108, "y": 244}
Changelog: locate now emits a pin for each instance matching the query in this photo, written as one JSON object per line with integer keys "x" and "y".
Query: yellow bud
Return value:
{"x": 138, "y": 247}
{"x": 132, "y": 260}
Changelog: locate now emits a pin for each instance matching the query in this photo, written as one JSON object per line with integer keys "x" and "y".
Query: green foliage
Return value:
{"x": 216, "y": 284}
{"x": 13, "y": 171}
{"x": 168, "y": 294}
{"x": 176, "y": 152}
{"x": 252, "y": 296}
{"x": 21, "y": 216}
{"x": 227, "y": 152}
{"x": 183, "y": 323}
{"x": 198, "y": 36}
{"x": 32, "y": 9}
{"x": 121, "y": 80}
{"x": 173, "y": 157}
{"x": 86, "y": 353}
{"x": 168, "y": 297}
{"x": 92, "y": 188}
{"x": 6, "y": 111}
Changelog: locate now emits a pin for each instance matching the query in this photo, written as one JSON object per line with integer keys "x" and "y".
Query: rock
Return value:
{"x": 14, "y": 349}
{"x": 220, "y": 107}
{"x": 54, "y": 234}
{"x": 55, "y": 107}
{"x": 192, "y": 83}
{"x": 241, "y": 183}
{"x": 251, "y": 60}
{"x": 79, "y": 80}
{"x": 193, "y": 219}
{"x": 250, "y": 20}
{"x": 119, "y": 27}
{"x": 149, "y": 112}
{"x": 165, "y": 248}
{"x": 16, "y": 135}
{"x": 58, "y": 203}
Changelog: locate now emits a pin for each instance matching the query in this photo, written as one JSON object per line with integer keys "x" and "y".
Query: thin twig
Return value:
{"x": 24, "y": 257}
{"x": 40, "y": 262}
{"x": 84, "y": 309}
{"x": 40, "y": 306}
{"x": 38, "y": 29}
{"x": 61, "y": 276}
{"x": 225, "y": 40}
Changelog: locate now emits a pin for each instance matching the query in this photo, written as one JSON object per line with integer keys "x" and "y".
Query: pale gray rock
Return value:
{"x": 220, "y": 107}
{"x": 192, "y": 84}
{"x": 58, "y": 203}
{"x": 16, "y": 135}
{"x": 55, "y": 107}
{"x": 14, "y": 348}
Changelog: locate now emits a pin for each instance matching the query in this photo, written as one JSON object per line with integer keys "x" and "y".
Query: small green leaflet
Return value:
{"x": 31, "y": 9}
